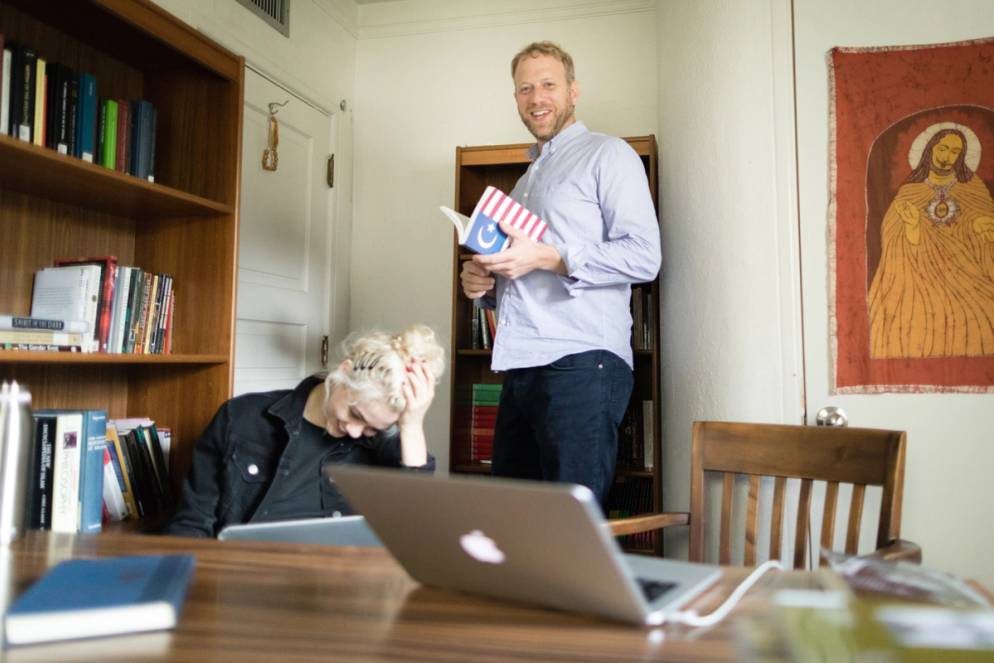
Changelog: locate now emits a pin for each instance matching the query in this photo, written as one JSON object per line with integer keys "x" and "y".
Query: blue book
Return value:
{"x": 88, "y": 598}
{"x": 86, "y": 124}
{"x": 91, "y": 480}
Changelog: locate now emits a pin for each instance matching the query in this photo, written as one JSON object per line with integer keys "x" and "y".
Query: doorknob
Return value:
{"x": 832, "y": 416}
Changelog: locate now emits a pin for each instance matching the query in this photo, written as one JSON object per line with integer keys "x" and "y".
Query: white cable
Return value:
{"x": 691, "y": 618}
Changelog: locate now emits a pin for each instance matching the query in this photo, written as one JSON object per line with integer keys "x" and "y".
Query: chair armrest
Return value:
{"x": 899, "y": 550}
{"x": 646, "y": 522}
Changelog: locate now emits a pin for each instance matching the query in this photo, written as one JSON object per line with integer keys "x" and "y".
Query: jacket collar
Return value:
{"x": 290, "y": 408}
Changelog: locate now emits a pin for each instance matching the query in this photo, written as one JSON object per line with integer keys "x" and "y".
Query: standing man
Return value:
{"x": 564, "y": 330}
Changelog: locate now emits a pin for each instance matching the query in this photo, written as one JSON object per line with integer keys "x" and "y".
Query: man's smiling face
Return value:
{"x": 546, "y": 102}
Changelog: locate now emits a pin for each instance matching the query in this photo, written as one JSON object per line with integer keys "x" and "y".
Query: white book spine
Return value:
{"x": 69, "y": 446}
{"x": 121, "y": 289}
{"x": 5, "y": 93}
{"x": 92, "y": 310}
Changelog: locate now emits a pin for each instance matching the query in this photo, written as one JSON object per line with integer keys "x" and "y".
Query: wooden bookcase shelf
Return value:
{"x": 16, "y": 357}
{"x": 44, "y": 173}
{"x": 184, "y": 224}
{"x": 501, "y": 166}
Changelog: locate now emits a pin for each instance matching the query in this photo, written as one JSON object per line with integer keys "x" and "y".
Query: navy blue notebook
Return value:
{"x": 86, "y": 598}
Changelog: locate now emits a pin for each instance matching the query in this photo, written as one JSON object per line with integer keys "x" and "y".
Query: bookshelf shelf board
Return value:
{"x": 31, "y": 357}
{"x": 623, "y": 474}
{"x": 502, "y": 155}
{"x": 476, "y": 468}
{"x": 43, "y": 172}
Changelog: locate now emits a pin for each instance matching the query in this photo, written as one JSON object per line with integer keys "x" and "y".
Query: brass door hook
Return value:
{"x": 270, "y": 156}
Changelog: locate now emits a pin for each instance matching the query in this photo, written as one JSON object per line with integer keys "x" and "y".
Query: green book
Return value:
{"x": 108, "y": 133}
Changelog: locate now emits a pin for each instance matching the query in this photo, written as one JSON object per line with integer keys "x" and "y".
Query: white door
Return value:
{"x": 284, "y": 263}
{"x": 947, "y": 489}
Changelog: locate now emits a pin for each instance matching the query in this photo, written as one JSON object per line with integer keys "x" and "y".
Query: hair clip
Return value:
{"x": 365, "y": 362}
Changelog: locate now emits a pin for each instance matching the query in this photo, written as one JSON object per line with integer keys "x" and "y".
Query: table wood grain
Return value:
{"x": 256, "y": 601}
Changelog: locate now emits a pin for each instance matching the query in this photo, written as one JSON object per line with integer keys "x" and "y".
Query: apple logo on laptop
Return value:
{"x": 481, "y": 547}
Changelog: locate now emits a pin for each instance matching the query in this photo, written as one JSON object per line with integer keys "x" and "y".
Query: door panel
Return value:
{"x": 284, "y": 251}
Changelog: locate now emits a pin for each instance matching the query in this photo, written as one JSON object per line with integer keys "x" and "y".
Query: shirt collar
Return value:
{"x": 560, "y": 139}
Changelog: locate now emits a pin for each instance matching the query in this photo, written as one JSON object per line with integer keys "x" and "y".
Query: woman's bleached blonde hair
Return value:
{"x": 375, "y": 364}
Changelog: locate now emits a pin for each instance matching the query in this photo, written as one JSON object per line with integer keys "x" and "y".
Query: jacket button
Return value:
{"x": 253, "y": 469}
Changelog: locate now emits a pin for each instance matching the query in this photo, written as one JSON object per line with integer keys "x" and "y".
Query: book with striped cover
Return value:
{"x": 481, "y": 232}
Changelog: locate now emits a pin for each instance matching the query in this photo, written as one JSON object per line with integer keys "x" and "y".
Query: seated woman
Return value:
{"x": 263, "y": 456}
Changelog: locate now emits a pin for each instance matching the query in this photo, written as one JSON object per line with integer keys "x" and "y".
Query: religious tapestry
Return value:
{"x": 911, "y": 217}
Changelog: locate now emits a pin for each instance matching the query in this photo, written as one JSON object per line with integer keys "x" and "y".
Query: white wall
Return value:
{"x": 947, "y": 487}
{"x": 425, "y": 84}
{"x": 729, "y": 286}
{"x": 730, "y": 265}
{"x": 317, "y": 63}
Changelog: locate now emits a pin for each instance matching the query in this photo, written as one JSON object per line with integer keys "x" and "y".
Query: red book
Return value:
{"x": 108, "y": 277}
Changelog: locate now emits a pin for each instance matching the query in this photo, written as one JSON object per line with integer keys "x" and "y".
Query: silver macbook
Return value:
{"x": 527, "y": 541}
{"x": 343, "y": 531}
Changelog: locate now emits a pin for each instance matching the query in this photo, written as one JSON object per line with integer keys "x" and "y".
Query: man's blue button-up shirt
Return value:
{"x": 592, "y": 191}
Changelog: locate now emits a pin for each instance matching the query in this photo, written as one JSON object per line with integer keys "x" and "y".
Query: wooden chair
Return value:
{"x": 858, "y": 456}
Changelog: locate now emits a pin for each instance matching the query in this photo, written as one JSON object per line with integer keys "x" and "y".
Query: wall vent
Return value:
{"x": 276, "y": 13}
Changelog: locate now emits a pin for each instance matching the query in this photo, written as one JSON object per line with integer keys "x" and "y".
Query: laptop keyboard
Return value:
{"x": 653, "y": 589}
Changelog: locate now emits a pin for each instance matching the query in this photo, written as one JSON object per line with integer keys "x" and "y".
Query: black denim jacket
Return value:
{"x": 244, "y": 452}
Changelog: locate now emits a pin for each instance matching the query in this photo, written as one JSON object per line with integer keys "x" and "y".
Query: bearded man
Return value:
{"x": 933, "y": 292}
{"x": 563, "y": 340}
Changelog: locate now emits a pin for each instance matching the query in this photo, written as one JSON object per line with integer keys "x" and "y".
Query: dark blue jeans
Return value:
{"x": 560, "y": 422}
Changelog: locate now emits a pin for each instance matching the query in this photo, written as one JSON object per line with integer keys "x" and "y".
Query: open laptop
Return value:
{"x": 527, "y": 541}
{"x": 342, "y": 531}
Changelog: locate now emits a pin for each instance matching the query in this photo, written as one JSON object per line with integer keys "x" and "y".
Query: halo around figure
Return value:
{"x": 972, "y": 157}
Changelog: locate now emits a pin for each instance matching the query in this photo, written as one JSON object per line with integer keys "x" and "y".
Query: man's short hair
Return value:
{"x": 545, "y": 48}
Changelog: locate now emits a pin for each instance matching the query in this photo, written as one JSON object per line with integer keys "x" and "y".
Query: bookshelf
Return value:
{"x": 501, "y": 166}
{"x": 184, "y": 224}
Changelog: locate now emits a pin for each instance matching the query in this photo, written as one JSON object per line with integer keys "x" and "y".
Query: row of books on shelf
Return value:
{"x": 483, "y": 420}
{"x": 631, "y": 497}
{"x": 86, "y": 469}
{"x": 51, "y": 105}
{"x": 483, "y": 328}
{"x": 637, "y": 436}
{"x": 95, "y": 305}
{"x": 643, "y": 315}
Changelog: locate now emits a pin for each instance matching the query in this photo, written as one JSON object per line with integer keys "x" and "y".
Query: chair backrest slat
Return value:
{"x": 855, "y": 517}
{"x": 752, "y": 521}
{"x": 776, "y": 524}
{"x": 828, "y": 514}
{"x": 725, "y": 542}
{"x": 803, "y": 518}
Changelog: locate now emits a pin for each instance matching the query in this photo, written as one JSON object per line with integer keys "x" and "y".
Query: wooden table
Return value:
{"x": 254, "y": 601}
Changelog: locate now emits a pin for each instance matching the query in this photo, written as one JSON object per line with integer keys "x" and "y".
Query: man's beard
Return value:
{"x": 941, "y": 171}
{"x": 561, "y": 121}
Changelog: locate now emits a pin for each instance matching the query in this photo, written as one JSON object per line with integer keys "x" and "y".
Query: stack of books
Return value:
{"x": 86, "y": 469}
{"x": 138, "y": 458}
{"x": 486, "y": 398}
{"x": 28, "y": 333}
{"x": 92, "y": 304}
{"x": 66, "y": 483}
{"x": 51, "y": 105}
{"x": 637, "y": 436}
{"x": 484, "y": 328}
